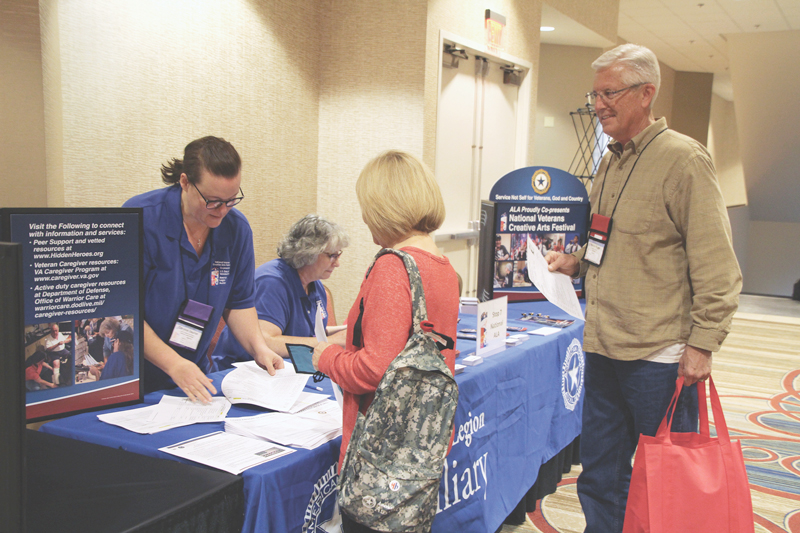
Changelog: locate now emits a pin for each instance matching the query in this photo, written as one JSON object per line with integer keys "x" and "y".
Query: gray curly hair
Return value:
{"x": 309, "y": 237}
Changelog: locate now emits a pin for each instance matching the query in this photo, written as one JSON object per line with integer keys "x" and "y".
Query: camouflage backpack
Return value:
{"x": 393, "y": 465}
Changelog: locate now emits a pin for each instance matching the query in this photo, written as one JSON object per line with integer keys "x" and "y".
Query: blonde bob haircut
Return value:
{"x": 398, "y": 194}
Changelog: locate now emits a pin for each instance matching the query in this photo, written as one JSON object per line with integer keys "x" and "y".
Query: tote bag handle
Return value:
{"x": 716, "y": 407}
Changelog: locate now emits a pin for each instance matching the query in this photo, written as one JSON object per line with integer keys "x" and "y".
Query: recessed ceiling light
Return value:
{"x": 547, "y": 28}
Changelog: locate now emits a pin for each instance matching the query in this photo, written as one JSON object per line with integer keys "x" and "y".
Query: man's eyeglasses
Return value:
{"x": 608, "y": 96}
{"x": 334, "y": 256}
{"x": 214, "y": 204}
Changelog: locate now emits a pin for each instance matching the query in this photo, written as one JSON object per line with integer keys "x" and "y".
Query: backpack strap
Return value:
{"x": 419, "y": 311}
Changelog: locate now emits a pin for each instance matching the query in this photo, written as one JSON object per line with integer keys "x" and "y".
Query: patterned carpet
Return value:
{"x": 757, "y": 374}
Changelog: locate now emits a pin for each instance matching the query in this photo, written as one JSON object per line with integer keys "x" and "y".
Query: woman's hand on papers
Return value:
{"x": 188, "y": 376}
{"x": 268, "y": 360}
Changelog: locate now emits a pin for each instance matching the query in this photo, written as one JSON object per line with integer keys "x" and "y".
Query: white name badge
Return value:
{"x": 186, "y": 336}
{"x": 594, "y": 251}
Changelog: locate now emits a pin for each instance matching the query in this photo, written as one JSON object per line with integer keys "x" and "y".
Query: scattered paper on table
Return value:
{"x": 137, "y": 420}
{"x": 306, "y": 429}
{"x": 181, "y": 410}
{"x": 251, "y": 384}
{"x": 171, "y": 412}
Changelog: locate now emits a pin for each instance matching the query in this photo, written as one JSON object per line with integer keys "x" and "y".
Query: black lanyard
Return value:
{"x": 603, "y": 186}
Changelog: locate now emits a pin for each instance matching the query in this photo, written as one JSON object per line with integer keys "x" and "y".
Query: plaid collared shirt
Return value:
{"x": 669, "y": 273}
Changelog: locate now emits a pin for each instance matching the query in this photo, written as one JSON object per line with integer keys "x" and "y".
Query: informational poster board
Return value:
{"x": 81, "y": 268}
{"x": 546, "y": 204}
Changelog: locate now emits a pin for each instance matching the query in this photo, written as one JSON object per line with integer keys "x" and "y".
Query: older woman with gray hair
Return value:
{"x": 289, "y": 292}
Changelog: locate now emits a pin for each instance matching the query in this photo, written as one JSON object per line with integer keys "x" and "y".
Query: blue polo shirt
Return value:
{"x": 280, "y": 299}
{"x": 221, "y": 277}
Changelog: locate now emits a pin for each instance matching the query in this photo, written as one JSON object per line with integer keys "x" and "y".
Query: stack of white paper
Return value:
{"x": 307, "y": 429}
{"x": 171, "y": 412}
{"x": 516, "y": 340}
{"x": 251, "y": 384}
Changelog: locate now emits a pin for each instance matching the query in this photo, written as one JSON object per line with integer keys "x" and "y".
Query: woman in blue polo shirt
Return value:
{"x": 198, "y": 252}
{"x": 289, "y": 292}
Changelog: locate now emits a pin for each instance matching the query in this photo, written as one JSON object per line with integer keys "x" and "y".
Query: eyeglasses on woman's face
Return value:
{"x": 216, "y": 204}
{"x": 333, "y": 256}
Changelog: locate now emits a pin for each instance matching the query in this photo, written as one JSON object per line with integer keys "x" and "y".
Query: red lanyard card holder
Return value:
{"x": 599, "y": 232}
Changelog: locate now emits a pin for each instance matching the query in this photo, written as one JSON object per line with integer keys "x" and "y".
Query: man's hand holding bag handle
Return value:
{"x": 689, "y": 482}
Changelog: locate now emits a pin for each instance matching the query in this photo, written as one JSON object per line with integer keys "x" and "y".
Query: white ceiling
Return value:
{"x": 687, "y": 35}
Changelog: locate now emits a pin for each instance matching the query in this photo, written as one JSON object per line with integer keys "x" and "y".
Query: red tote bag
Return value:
{"x": 689, "y": 482}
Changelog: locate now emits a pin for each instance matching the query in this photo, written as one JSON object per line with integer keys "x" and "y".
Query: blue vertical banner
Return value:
{"x": 82, "y": 307}
{"x": 547, "y": 205}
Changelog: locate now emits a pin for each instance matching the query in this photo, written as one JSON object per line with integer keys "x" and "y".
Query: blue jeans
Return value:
{"x": 623, "y": 399}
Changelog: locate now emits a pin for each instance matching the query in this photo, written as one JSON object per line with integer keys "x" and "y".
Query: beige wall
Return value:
{"x": 765, "y": 86}
{"x": 766, "y": 77}
{"x": 306, "y": 90}
{"x": 22, "y": 156}
{"x": 600, "y": 16}
{"x": 723, "y": 143}
{"x": 465, "y": 18}
{"x": 773, "y": 256}
{"x": 691, "y": 104}
{"x": 565, "y": 76}
{"x": 371, "y": 100}
{"x": 129, "y": 84}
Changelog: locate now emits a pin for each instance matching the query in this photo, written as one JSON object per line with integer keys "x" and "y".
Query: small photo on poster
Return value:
{"x": 503, "y": 274}
{"x": 502, "y": 243}
{"x": 49, "y": 355}
{"x": 521, "y": 278}
{"x": 519, "y": 246}
{"x": 553, "y": 242}
{"x": 573, "y": 243}
{"x": 104, "y": 348}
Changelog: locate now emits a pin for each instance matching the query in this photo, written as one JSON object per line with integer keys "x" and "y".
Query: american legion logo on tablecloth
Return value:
{"x": 324, "y": 492}
{"x": 572, "y": 375}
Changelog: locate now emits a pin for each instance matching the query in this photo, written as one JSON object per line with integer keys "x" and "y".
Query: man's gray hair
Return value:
{"x": 640, "y": 65}
{"x": 309, "y": 237}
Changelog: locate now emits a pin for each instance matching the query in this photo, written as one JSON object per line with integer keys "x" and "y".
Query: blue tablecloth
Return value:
{"x": 516, "y": 411}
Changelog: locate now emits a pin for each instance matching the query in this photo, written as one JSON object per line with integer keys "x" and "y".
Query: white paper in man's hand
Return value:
{"x": 555, "y": 286}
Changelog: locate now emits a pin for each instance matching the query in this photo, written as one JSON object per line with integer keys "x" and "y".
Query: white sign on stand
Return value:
{"x": 492, "y": 318}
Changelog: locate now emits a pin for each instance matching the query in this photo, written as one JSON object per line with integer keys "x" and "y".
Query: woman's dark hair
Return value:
{"x": 127, "y": 349}
{"x": 35, "y": 359}
{"x": 214, "y": 154}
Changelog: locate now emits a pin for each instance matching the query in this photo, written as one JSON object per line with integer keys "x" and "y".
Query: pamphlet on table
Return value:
{"x": 170, "y": 412}
{"x": 308, "y": 429}
{"x": 227, "y": 451}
